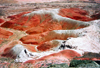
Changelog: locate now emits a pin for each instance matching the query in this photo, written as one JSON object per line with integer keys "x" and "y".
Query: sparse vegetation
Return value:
{"x": 63, "y": 65}
{"x": 83, "y": 63}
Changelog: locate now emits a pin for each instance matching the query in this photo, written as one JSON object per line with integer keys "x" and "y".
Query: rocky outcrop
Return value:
{"x": 96, "y": 15}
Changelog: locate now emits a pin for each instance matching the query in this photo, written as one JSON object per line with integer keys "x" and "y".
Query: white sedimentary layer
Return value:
{"x": 17, "y": 49}
{"x": 22, "y": 56}
{"x": 55, "y": 16}
{"x": 90, "y": 42}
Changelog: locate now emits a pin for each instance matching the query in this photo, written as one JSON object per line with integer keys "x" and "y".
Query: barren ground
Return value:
{"x": 12, "y": 9}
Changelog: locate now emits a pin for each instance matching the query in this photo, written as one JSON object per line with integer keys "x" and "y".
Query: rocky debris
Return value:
{"x": 63, "y": 46}
{"x": 96, "y": 15}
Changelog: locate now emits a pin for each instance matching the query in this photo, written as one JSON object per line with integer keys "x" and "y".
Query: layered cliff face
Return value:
{"x": 50, "y": 36}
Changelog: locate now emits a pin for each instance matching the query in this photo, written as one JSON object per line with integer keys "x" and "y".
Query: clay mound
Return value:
{"x": 24, "y": 23}
{"x": 8, "y": 52}
{"x": 30, "y": 48}
{"x": 20, "y": 23}
{"x": 50, "y": 20}
{"x": 47, "y": 45}
{"x": 43, "y": 27}
{"x": 4, "y": 34}
{"x": 68, "y": 54}
{"x": 64, "y": 56}
{"x": 17, "y": 16}
{"x": 6, "y": 49}
{"x": 75, "y": 13}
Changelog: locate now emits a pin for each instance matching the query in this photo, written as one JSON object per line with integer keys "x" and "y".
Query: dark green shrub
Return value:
{"x": 84, "y": 63}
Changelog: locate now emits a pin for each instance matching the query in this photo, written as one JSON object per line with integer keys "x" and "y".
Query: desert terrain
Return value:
{"x": 40, "y": 34}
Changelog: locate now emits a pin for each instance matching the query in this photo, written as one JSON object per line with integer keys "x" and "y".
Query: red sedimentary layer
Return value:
{"x": 1, "y": 20}
{"x": 75, "y": 13}
{"x": 38, "y": 27}
{"x": 94, "y": 59}
{"x": 37, "y": 22}
{"x": 61, "y": 57}
{"x": 45, "y": 46}
{"x": 30, "y": 48}
{"x": 1, "y": 41}
{"x": 4, "y": 34}
{"x": 4, "y": 50}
